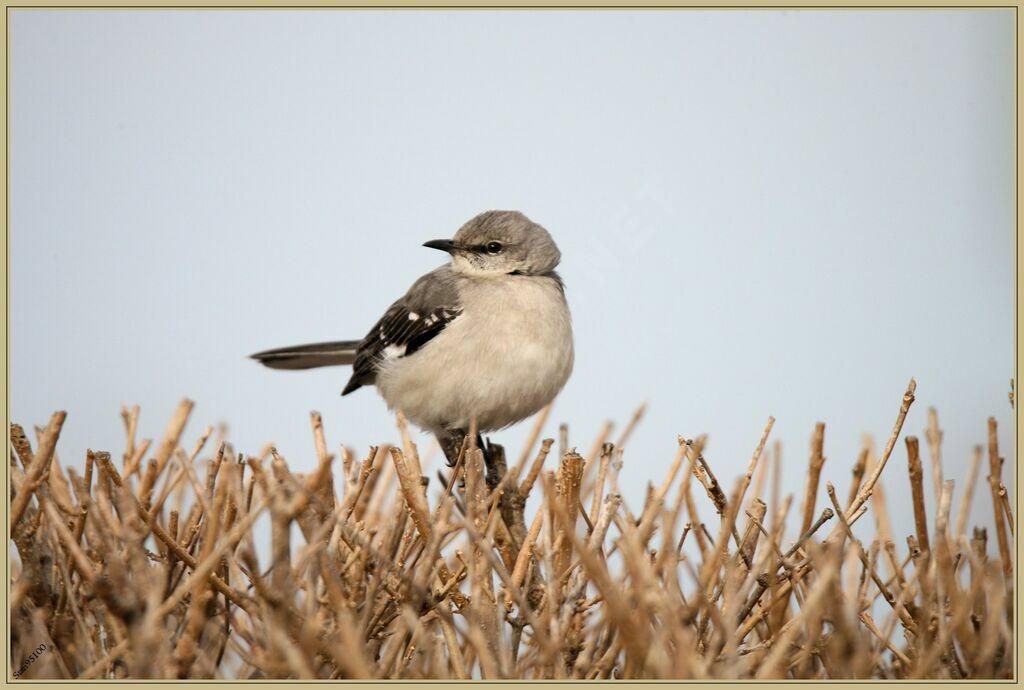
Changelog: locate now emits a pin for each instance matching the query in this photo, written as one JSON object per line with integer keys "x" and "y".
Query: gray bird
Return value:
{"x": 488, "y": 335}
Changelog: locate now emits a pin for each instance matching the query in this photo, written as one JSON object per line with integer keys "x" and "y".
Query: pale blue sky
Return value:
{"x": 786, "y": 213}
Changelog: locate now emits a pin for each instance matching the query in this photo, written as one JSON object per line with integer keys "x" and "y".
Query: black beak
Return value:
{"x": 443, "y": 245}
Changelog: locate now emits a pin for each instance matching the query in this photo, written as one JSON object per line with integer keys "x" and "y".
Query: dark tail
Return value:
{"x": 309, "y": 356}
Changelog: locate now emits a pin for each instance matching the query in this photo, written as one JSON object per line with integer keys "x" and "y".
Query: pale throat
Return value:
{"x": 463, "y": 266}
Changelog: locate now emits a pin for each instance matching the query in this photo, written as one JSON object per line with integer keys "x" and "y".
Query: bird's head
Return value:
{"x": 498, "y": 243}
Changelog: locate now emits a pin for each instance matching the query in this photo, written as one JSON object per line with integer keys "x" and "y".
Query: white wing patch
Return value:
{"x": 408, "y": 324}
{"x": 394, "y": 351}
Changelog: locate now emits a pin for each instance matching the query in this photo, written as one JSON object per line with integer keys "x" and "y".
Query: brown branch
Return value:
{"x": 865, "y": 491}
{"x": 36, "y": 471}
{"x": 813, "y": 475}
{"x": 917, "y": 494}
{"x": 995, "y": 468}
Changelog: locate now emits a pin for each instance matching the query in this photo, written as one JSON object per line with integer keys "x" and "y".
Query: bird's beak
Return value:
{"x": 443, "y": 245}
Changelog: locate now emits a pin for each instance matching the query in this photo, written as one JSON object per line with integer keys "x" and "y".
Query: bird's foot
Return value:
{"x": 494, "y": 458}
{"x": 451, "y": 441}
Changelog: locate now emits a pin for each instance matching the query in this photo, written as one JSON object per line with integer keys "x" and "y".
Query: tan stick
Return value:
{"x": 916, "y": 473}
{"x": 628, "y": 431}
{"x": 35, "y": 473}
{"x": 172, "y": 433}
{"x": 813, "y": 475}
{"x": 933, "y": 434}
{"x": 758, "y": 451}
{"x": 963, "y": 513}
{"x": 531, "y": 440}
{"x": 995, "y": 465}
{"x": 527, "y": 486}
{"x": 865, "y": 491}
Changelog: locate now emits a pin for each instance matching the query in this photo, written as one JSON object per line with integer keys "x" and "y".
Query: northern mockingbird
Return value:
{"x": 486, "y": 336}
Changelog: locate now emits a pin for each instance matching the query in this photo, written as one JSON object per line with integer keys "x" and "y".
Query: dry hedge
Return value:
{"x": 149, "y": 568}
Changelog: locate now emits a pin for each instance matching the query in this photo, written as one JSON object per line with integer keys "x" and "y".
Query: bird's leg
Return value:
{"x": 451, "y": 443}
{"x": 494, "y": 457}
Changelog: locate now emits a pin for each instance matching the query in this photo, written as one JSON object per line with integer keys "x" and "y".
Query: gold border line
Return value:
{"x": 30, "y": 5}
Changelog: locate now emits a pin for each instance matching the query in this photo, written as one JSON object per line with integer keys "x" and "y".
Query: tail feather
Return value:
{"x": 310, "y": 356}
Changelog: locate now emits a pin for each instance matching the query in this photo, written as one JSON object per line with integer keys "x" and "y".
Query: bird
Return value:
{"x": 486, "y": 337}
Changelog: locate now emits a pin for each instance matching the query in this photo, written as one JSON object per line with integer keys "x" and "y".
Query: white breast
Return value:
{"x": 504, "y": 358}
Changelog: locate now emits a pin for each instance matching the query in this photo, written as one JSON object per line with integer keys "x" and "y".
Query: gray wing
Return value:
{"x": 410, "y": 323}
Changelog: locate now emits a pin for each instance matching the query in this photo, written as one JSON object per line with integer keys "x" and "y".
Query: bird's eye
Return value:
{"x": 493, "y": 247}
